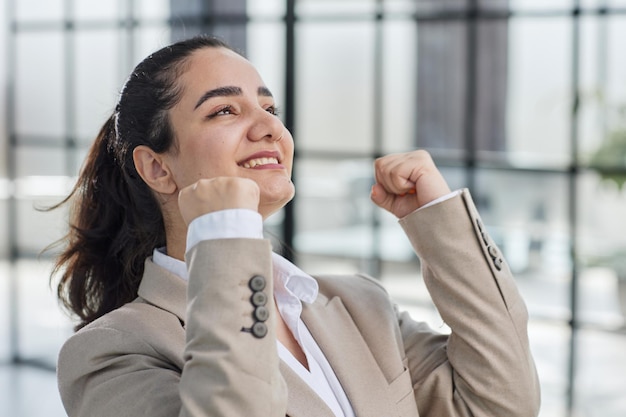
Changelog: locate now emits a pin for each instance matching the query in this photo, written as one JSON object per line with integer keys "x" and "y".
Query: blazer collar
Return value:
{"x": 301, "y": 399}
{"x": 354, "y": 364}
{"x": 164, "y": 289}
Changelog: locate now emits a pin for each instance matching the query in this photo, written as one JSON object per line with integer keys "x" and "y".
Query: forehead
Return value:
{"x": 217, "y": 67}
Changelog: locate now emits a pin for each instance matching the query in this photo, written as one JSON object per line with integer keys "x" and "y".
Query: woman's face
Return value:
{"x": 225, "y": 124}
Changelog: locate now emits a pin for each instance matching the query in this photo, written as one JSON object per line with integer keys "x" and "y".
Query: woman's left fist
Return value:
{"x": 406, "y": 182}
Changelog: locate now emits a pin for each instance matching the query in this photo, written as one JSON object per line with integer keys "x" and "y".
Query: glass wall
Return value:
{"x": 522, "y": 101}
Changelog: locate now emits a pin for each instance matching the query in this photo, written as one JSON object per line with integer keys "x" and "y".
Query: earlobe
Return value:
{"x": 153, "y": 169}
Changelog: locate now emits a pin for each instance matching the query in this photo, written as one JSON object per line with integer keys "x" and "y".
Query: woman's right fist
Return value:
{"x": 215, "y": 194}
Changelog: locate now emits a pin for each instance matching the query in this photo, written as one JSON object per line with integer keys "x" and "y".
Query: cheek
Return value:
{"x": 288, "y": 149}
{"x": 209, "y": 158}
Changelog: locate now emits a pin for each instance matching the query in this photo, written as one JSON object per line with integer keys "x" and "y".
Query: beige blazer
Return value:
{"x": 184, "y": 349}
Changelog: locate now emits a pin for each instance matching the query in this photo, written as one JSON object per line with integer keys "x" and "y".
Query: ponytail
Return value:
{"x": 115, "y": 223}
{"x": 115, "y": 219}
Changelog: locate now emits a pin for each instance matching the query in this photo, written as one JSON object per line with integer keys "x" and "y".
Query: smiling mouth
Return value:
{"x": 253, "y": 163}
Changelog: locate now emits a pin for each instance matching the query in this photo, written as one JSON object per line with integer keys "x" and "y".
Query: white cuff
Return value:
{"x": 225, "y": 224}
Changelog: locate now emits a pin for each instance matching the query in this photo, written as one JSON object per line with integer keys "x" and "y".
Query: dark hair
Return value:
{"x": 115, "y": 220}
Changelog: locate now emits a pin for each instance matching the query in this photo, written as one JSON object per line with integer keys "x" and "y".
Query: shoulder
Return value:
{"x": 121, "y": 355}
{"x": 351, "y": 286}
{"x": 135, "y": 328}
{"x": 139, "y": 318}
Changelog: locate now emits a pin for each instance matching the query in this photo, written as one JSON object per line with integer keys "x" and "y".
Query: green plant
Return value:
{"x": 609, "y": 160}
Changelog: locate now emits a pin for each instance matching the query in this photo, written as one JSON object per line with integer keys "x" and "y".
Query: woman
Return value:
{"x": 184, "y": 309}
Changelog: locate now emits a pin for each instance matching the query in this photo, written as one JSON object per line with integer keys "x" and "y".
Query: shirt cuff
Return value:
{"x": 442, "y": 199}
{"x": 225, "y": 224}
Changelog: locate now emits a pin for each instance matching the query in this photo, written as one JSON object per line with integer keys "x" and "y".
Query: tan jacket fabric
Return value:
{"x": 180, "y": 350}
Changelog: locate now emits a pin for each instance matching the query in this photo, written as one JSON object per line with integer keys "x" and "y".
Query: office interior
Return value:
{"x": 521, "y": 101}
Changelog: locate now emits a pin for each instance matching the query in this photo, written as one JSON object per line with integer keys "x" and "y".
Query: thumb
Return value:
{"x": 379, "y": 196}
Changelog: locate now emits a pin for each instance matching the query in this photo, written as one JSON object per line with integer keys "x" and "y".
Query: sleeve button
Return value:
{"x": 258, "y": 299}
{"x": 257, "y": 283}
{"x": 497, "y": 262}
{"x": 259, "y": 330}
{"x": 261, "y": 313}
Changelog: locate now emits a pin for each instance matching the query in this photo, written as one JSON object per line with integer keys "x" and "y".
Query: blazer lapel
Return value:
{"x": 350, "y": 357}
{"x": 302, "y": 400}
{"x": 164, "y": 289}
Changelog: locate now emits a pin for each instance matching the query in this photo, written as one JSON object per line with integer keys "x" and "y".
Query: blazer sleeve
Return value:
{"x": 485, "y": 367}
{"x": 128, "y": 362}
{"x": 230, "y": 369}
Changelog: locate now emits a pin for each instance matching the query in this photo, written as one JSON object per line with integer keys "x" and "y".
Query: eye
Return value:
{"x": 272, "y": 110}
{"x": 222, "y": 111}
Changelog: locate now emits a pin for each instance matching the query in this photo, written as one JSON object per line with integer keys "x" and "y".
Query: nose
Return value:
{"x": 266, "y": 126}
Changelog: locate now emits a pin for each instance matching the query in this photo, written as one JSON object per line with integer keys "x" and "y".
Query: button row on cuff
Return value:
{"x": 493, "y": 251}
{"x": 261, "y": 313}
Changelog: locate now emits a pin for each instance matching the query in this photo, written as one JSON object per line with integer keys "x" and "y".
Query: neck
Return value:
{"x": 176, "y": 246}
{"x": 175, "y": 234}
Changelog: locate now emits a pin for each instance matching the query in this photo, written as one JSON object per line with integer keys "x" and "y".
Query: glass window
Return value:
{"x": 40, "y": 84}
{"x": 335, "y": 215}
{"x": 234, "y": 33}
{"x": 4, "y": 225}
{"x": 603, "y": 95}
{"x": 539, "y": 91}
{"x": 333, "y": 210}
{"x": 404, "y": 283}
{"x": 38, "y": 161}
{"x": 5, "y": 274}
{"x": 334, "y": 7}
{"x": 616, "y": 70}
{"x": 550, "y": 346}
{"x": 271, "y": 8}
{"x": 435, "y": 6}
{"x": 96, "y": 84}
{"x": 593, "y": 73}
{"x": 527, "y": 216}
{"x": 152, "y": 9}
{"x": 600, "y": 375}
{"x": 400, "y": 6}
{"x": 490, "y": 87}
{"x": 494, "y": 5}
{"x": 441, "y": 86}
{"x": 43, "y": 327}
{"x": 334, "y": 86}
{"x": 37, "y": 229}
{"x": 145, "y": 40}
{"x": 399, "y": 66}
{"x": 534, "y": 5}
{"x": 96, "y": 10}
{"x": 342, "y": 184}
{"x": 522, "y": 86}
{"x": 602, "y": 251}
{"x": 30, "y": 10}
{"x": 266, "y": 50}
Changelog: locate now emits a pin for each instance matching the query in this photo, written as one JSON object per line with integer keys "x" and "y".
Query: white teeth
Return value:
{"x": 259, "y": 161}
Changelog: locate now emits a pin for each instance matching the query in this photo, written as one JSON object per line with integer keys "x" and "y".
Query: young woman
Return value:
{"x": 185, "y": 310}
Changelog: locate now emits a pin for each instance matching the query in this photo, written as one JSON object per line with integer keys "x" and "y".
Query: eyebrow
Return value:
{"x": 264, "y": 91}
{"x": 229, "y": 91}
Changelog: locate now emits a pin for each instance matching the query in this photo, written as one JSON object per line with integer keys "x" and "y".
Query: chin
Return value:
{"x": 274, "y": 200}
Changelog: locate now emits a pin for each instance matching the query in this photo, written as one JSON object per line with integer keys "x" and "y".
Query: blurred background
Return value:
{"x": 522, "y": 101}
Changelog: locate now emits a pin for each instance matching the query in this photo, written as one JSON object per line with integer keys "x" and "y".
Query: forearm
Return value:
{"x": 228, "y": 370}
{"x": 488, "y": 350}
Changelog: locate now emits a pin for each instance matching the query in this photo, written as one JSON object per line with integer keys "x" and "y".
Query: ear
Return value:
{"x": 153, "y": 168}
